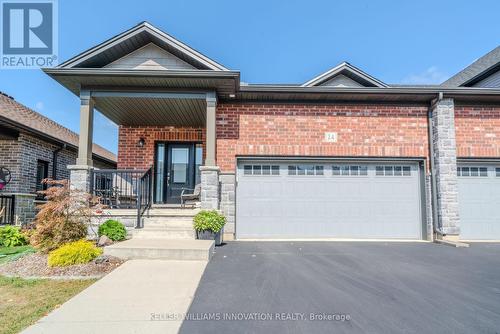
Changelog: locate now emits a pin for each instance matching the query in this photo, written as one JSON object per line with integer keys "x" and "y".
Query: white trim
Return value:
{"x": 339, "y": 68}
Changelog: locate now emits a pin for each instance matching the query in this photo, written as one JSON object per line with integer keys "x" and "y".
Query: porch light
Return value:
{"x": 141, "y": 142}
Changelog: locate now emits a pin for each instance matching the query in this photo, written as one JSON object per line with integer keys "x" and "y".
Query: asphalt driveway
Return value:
{"x": 320, "y": 287}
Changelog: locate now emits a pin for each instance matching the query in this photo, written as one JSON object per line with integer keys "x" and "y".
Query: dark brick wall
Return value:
{"x": 21, "y": 157}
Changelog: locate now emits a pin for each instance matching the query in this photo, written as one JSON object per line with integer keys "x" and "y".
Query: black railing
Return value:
{"x": 123, "y": 189}
{"x": 116, "y": 188}
{"x": 144, "y": 195}
{"x": 7, "y": 215}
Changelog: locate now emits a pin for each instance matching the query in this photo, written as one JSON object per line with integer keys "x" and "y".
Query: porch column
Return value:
{"x": 86, "y": 129}
{"x": 211, "y": 104}
{"x": 210, "y": 171}
{"x": 80, "y": 173}
{"x": 445, "y": 166}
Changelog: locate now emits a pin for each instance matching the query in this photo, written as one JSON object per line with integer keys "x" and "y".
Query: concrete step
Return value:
{"x": 165, "y": 249}
{"x": 153, "y": 212}
{"x": 151, "y": 233}
{"x": 168, "y": 220}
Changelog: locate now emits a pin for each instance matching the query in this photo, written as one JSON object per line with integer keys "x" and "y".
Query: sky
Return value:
{"x": 410, "y": 42}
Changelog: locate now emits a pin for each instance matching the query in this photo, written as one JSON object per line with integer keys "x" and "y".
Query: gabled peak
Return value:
{"x": 344, "y": 75}
{"x": 136, "y": 38}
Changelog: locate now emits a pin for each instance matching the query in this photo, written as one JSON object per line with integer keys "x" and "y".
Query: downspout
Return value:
{"x": 55, "y": 154}
{"x": 437, "y": 228}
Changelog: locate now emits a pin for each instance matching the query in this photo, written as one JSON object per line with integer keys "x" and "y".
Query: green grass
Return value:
{"x": 8, "y": 254}
{"x": 23, "y": 302}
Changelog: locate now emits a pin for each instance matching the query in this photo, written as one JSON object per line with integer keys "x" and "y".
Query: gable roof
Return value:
{"x": 349, "y": 71}
{"x": 476, "y": 71}
{"x": 24, "y": 117}
{"x": 135, "y": 38}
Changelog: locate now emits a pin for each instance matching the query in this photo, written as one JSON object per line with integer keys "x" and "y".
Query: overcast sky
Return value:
{"x": 411, "y": 42}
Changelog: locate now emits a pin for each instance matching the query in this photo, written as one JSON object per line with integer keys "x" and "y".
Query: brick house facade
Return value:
{"x": 343, "y": 155}
{"x": 23, "y": 149}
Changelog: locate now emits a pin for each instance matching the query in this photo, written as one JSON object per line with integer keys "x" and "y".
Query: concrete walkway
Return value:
{"x": 138, "y": 297}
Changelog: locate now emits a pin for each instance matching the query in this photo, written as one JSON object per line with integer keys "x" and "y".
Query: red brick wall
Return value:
{"x": 477, "y": 131}
{"x": 132, "y": 156}
{"x": 298, "y": 130}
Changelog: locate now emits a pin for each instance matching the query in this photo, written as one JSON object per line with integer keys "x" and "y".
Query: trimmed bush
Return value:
{"x": 209, "y": 220}
{"x": 77, "y": 252}
{"x": 113, "y": 229}
{"x": 11, "y": 236}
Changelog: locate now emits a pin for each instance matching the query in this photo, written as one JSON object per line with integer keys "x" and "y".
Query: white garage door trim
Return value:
{"x": 410, "y": 198}
{"x": 479, "y": 199}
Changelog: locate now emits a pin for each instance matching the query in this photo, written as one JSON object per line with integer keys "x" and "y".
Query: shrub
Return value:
{"x": 77, "y": 252}
{"x": 63, "y": 218}
{"x": 113, "y": 229}
{"x": 11, "y": 236}
{"x": 209, "y": 220}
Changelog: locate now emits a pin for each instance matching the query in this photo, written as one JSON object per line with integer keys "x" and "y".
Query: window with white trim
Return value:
{"x": 348, "y": 170}
{"x": 472, "y": 171}
{"x": 308, "y": 170}
{"x": 261, "y": 170}
{"x": 393, "y": 170}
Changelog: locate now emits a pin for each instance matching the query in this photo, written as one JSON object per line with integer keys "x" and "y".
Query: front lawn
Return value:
{"x": 23, "y": 302}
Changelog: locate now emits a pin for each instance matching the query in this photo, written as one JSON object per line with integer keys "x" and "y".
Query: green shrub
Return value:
{"x": 209, "y": 220}
{"x": 11, "y": 236}
{"x": 77, "y": 252}
{"x": 113, "y": 229}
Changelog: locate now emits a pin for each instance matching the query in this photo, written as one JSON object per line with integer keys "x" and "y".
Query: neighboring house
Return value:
{"x": 32, "y": 148}
{"x": 343, "y": 155}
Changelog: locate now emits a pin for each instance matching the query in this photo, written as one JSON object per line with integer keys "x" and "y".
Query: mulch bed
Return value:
{"x": 35, "y": 265}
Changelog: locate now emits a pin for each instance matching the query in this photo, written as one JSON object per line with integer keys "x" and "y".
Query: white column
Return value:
{"x": 211, "y": 130}
{"x": 86, "y": 129}
{"x": 80, "y": 173}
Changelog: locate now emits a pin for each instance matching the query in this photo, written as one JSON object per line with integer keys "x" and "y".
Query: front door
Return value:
{"x": 175, "y": 169}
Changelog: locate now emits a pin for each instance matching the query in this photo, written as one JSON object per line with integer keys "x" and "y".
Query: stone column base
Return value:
{"x": 209, "y": 187}
{"x": 79, "y": 177}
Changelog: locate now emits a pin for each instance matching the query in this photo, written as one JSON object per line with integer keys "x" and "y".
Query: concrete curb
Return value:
{"x": 452, "y": 243}
{"x": 61, "y": 278}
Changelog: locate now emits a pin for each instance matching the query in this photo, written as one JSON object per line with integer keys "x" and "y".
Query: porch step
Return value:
{"x": 163, "y": 233}
{"x": 165, "y": 249}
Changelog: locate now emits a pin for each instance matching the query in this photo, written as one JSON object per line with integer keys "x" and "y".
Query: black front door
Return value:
{"x": 175, "y": 169}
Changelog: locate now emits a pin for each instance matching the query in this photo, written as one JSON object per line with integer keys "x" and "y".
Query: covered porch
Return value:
{"x": 167, "y": 140}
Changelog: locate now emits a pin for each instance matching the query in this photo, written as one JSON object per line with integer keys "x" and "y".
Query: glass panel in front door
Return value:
{"x": 159, "y": 173}
{"x": 180, "y": 165}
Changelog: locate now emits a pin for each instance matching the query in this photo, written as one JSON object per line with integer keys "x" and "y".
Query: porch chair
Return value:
{"x": 185, "y": 196}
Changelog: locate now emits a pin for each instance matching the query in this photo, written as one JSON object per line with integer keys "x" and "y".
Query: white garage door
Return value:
{"x": 328, "y": 200}
{"x": 479, "y": 200}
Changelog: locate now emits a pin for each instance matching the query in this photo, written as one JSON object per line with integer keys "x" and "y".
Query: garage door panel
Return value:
{"x": 479, "y": 202}
{"x": 357, "y": 204}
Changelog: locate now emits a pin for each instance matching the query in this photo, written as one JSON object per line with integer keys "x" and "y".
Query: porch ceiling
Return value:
{"x": 152, "y": 110}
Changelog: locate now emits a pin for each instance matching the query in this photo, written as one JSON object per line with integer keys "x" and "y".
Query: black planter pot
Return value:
{"x": 210, "y": 235}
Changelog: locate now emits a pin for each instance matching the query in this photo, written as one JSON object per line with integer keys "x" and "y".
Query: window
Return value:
{"x": 473, "y": 171}
{"x": 261, "y": 170}
{"x": 393, "y": 170}
{"x": 498, "y": 172}
{"x": 42, "y": 172}
{"x": 309, "y": 170}
{"x": 350, "y": 170}
{"x": 198, "y": 158}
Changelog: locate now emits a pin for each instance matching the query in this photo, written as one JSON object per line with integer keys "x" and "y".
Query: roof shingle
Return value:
{"x": 26, "y": 117}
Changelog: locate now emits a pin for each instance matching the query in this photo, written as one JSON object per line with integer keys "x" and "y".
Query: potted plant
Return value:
{"x": 208, "y": 225}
